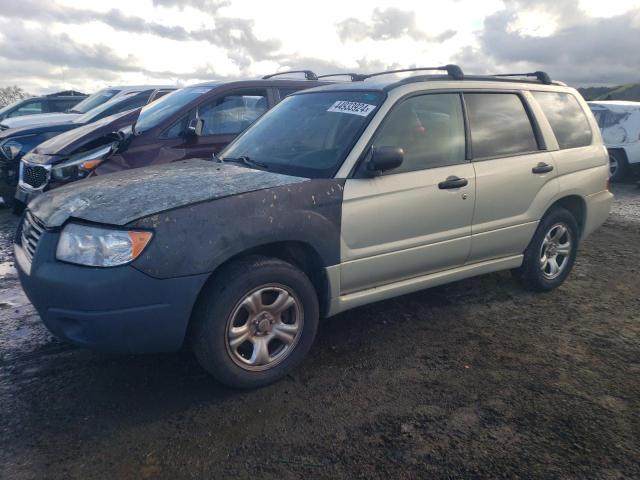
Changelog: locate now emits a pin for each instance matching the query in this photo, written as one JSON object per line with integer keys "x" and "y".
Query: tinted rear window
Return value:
{"x": 567, "y": 119}
{"x": 499, "y": 125}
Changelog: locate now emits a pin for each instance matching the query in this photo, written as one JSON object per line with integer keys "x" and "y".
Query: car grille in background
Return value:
{"x": 30, "y": 234}
{"x": 34, "y": 175}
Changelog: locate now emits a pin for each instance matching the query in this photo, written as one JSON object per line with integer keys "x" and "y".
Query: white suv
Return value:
{"x": 619, "y": 123}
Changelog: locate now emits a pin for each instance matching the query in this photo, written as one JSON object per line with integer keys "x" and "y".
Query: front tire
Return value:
{"x": 255, "y": 322}
{"x": 550, "y": 256}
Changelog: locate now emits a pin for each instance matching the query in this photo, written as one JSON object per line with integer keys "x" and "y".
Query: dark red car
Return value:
{"x": 193, "y": 122}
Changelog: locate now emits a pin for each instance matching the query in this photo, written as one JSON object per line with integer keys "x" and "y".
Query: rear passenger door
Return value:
{"x": 407, "y": 222}
{"x": 514, "y": 174}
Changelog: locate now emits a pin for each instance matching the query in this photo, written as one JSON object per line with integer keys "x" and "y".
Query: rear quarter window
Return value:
{"x": 566, "y": 117}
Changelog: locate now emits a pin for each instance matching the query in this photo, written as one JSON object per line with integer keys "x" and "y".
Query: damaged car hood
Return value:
{"x": 68, "y": 142}
{"x": 120, "y": 198}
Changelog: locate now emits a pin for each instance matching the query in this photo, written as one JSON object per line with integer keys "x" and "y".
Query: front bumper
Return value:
{"x": 25, "y": 196}
{"x": 117, "y": 309}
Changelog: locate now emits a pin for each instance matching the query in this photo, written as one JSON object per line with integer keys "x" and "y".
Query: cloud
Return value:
{"x": 583, "y": 50}
{"x": 208, "y": 6}
{"x": 234, "y": 34}
{"x": 19, "y": 43}
{"x": 390, "y": 23}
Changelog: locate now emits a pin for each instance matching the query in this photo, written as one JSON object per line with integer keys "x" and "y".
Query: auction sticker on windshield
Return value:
{"x": 355, "y": 108}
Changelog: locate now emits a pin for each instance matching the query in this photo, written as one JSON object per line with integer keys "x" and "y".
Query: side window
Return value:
{"x": 231, "y": 114}
{"x": 430, "y": 130}
{"x": 567, "y": 119}
{"x": 160, "y": 94}
{"x": 28, "y": 109}
{"x": 178, "y": 128}
{"x": 284, "y": 91}
{"x": 61, "y": 105}
{"x": 136, "y": 100}
{"x": 499, "y": 125}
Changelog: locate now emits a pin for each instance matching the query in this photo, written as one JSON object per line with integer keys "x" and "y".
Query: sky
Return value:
{"x": 49, "y": 45}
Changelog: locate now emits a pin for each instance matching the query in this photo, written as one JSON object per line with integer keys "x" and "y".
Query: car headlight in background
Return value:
{"x": 614, "y": 135}
{"x": 100, "y": 247}
{"x": 11, "y": 149}
{"x": 82, "y": 164}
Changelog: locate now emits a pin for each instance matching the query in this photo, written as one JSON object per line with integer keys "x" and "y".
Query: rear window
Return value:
{"x": 499, "y": 125}
{"x": 568, "y": 121}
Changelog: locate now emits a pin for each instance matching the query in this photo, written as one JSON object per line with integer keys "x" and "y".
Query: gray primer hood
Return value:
{"x": 120, "y": 198}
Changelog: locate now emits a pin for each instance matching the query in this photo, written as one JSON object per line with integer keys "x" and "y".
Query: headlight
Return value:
{"x": 100, "y": 247}
{"x": 81, "y": 164}
{"x": 11, "y": 149}
{"x": 614, "y": 135}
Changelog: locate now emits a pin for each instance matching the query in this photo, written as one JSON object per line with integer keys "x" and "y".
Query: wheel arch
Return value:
{"x": 300, "y": 254}
{"x": 576, "y": 205}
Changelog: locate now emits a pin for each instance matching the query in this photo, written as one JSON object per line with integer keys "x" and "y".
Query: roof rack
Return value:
{"x": 542, "y": 77}
{"x": 355, "y": 77}
{"x": 308, "y": 74}
{"x": 453, "y": 71}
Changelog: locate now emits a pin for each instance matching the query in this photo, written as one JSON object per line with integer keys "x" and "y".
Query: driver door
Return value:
{"x": 412, "y": 220}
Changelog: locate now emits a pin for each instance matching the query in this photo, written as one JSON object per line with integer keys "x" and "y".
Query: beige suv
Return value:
{"x": 339, "y": 196}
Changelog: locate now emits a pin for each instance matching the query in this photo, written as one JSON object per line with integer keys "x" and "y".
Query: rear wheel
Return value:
{"x": 550, "y": 256}
{"x": 618, "y": 165}
{"x": 256, "y": 321}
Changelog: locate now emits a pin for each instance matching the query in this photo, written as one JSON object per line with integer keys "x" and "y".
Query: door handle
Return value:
{"x": 542, "y": 168}
{"x": 453, "y": 182}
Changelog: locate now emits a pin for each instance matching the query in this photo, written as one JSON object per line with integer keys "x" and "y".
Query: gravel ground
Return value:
{"x": 477, "y": 379}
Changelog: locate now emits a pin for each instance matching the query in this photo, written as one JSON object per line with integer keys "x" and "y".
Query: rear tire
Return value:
{"x": 550, "y": 256}
{"x": 256, "y": 320}
{"x": 618, "y": 165}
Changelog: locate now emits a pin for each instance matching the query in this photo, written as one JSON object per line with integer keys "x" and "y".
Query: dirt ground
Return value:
{"x": 478, "y": 379}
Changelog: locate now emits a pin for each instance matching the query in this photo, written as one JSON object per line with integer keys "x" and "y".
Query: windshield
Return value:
{"x": 155, "y": 113}
{"x": 92, "y": 101}
{"x": 307, "y": 134}
{"x": 10, "y": 106}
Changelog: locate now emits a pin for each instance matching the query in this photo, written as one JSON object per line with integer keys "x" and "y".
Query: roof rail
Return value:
{"x": 355, "y": 77}
{"x": 453, "y": 71}
{"x": 308, "y": 74}
{"x": 542, "y": 77}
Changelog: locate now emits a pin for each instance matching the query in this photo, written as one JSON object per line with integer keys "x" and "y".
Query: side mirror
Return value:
{"x": 384, "y": 158}
{"x": 194, "y": 129}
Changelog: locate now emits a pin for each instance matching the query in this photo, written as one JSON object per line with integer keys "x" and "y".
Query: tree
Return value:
{"x": 11, "y": 94}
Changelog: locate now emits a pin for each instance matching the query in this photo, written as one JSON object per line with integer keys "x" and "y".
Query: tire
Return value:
{"x": 18, "y": 207}
{"x": 618, "y": 165}
{"x": 240, "y": 306}
{"x": 537, "y": 270}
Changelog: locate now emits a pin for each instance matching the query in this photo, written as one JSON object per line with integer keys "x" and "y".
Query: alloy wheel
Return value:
{"x": 264, "y": 327}
{"x": 555, "y": 251}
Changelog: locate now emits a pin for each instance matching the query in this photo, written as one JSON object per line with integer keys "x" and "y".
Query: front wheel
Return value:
{"x": 256, "y": 321}
{"x": 550, "y": 256}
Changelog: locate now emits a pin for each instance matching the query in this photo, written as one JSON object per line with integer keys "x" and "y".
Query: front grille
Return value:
{"x": 30, "y": 234}
{"x": 34, "y": 175}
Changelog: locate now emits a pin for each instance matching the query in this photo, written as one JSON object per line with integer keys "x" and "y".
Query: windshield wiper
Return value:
{"x": 73, "y": 110}
{"x": 246, "y": 161}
